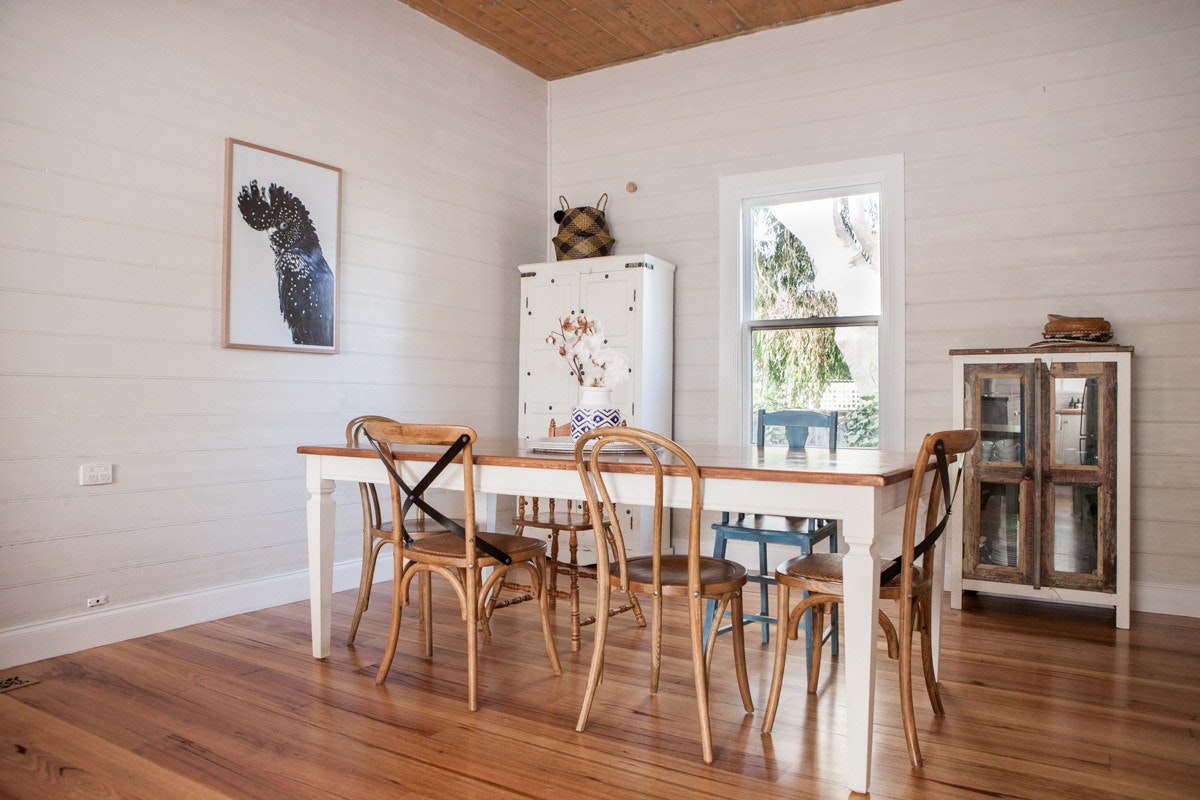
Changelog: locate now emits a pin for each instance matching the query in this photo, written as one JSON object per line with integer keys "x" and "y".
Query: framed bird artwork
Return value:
{"x": 282, "y": 229}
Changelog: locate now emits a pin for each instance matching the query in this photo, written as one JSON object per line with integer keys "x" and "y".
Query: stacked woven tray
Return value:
{"x": 1064, "y": 329}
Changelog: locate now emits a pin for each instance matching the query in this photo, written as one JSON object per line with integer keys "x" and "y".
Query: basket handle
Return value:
{"x": 602, "y": 202}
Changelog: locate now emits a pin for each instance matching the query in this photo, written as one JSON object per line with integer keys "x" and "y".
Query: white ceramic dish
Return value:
{"x": 566, "y": 444}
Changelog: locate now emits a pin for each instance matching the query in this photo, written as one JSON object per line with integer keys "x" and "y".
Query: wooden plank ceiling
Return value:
{"x": 557, "y": 38}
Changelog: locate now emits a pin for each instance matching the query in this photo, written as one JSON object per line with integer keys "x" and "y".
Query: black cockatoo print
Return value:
{"x": 305, "y": 279}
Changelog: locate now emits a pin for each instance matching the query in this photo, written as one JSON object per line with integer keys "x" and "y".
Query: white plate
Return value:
{"x": 566, "y": 444}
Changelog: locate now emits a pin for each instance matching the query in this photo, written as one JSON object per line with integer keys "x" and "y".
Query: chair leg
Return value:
{"x": 809, "y": 622}
{"x": 906, "y": 701}
{"x": 712, "y": 619}
{"x": 573, "y": 575}
{"x": 424, "y": 590}
{"x": 931, "y": 684}
{"x": 764, "y": 599}
{"x": 543, "y": 591}
{"x": 699, "y": 673}
{"x": 471, "y": 583}
{"x": 889, "y": 633}
{"x": 366, "y": 579}
{"x": 398, "y": 599}
{"x": 833, "y": 610}
{"x": 816, "y": 621}
{"x": 739, "y": 651}
{"x": 636, "y": 607}
{"x": 655, "y": 640}
{"x": 603, "y": 590}
{"x": 710, "y": 640}
{"x": 552, "y": 577}
{"x": 782, "y": 634}
{"x": 493, "y": 601}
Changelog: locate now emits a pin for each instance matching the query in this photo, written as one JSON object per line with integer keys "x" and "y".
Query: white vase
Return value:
{"x": 595, "y": 410}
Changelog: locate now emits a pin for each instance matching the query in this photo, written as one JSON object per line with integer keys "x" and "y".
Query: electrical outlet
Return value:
{"x": 95, "y": 474}
{"x": 99, "y": 600}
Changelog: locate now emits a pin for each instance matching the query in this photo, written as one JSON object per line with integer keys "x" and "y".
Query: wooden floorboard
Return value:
{"x": 1042, "y": 701}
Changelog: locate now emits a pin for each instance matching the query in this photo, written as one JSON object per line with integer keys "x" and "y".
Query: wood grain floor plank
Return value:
{"x": 42, "y": 756}
{"x": 1042, "y": 702}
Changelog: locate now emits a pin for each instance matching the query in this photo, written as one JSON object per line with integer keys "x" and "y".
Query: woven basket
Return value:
{"x": 582, "y": 231}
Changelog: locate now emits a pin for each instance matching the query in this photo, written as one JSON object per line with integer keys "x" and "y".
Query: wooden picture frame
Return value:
{"x": 282, "y": 241}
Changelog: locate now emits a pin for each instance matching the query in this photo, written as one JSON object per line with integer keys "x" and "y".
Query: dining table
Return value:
{"x": 857, "y": 487}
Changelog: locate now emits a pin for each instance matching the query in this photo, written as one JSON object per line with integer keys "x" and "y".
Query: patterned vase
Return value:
{"x": 595, "y": 410}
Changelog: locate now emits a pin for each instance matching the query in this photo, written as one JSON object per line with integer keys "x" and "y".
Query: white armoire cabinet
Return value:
{"x": 633, "y": 299}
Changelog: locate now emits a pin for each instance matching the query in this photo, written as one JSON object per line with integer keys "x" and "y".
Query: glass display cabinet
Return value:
{"x": 1045, "y": 497}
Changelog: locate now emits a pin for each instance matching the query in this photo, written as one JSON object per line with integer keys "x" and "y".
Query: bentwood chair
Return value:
{"x": 461, "y": 553}
{"x": 908, "y": 579}
{"x": 692, "y": 576}
{"x": 763, "y": 529}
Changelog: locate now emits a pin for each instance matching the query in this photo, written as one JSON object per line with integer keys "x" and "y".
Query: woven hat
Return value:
{"x": 1080, "y": 329}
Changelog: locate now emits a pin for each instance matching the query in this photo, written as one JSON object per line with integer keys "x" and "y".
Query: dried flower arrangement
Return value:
{"x": 580, "y": 341}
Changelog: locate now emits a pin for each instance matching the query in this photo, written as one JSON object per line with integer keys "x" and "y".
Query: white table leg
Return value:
{"x": 860, "y": 571}
{"x": 485, "y": 511}
{"x": 320, "y": 556}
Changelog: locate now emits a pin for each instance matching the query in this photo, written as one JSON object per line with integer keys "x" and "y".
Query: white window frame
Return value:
{"x": 882, "y": 173}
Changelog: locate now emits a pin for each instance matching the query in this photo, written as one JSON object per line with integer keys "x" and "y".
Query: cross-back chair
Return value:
{"x": 694, "y": 577}
{"x": 908, "y": 579}
{"x": 766, "y": 529}
{"x": 376, "y": 531}
{"x": 461, "y": 553}
{"x": 557, "y": 518}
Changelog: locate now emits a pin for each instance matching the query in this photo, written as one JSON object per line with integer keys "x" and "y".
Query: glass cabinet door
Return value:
{"x": 1076, "y": 463}
{"x": 999, "y": 519}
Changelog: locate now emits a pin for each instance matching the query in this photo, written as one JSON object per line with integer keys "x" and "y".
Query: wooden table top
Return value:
{"x": 773, "y": 463}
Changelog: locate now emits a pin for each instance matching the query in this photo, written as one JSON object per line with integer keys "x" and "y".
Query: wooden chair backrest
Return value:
{"x": 600, "y": 504}
{"x": 384, "y": 434}
{"x": 797, "y": 419}
{"x": 941, "y": 497}
{"x": 372, "y": 518}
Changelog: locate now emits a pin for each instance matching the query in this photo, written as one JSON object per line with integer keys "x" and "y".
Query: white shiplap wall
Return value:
{"x": 113, "y": 117}
{"x": 1051, "y": 166}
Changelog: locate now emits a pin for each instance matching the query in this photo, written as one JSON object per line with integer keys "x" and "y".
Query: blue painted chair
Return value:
{"x": 765, "y": 529}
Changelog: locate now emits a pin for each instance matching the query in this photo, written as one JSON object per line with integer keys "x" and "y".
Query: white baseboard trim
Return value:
{"x": 1165, "y": 598}
{"x": 117, "y": 622}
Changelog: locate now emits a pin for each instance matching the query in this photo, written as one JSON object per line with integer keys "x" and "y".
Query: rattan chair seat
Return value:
{"x": 717, "y": 576}
{"x": 827, "y": 568}
{"x": 452, "y": 546}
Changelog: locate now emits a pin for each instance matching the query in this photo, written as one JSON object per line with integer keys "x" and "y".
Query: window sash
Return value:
{"x": 884, "y": 174}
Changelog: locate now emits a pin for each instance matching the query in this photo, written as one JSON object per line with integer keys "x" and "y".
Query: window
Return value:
{"x": 812, "y": 297}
